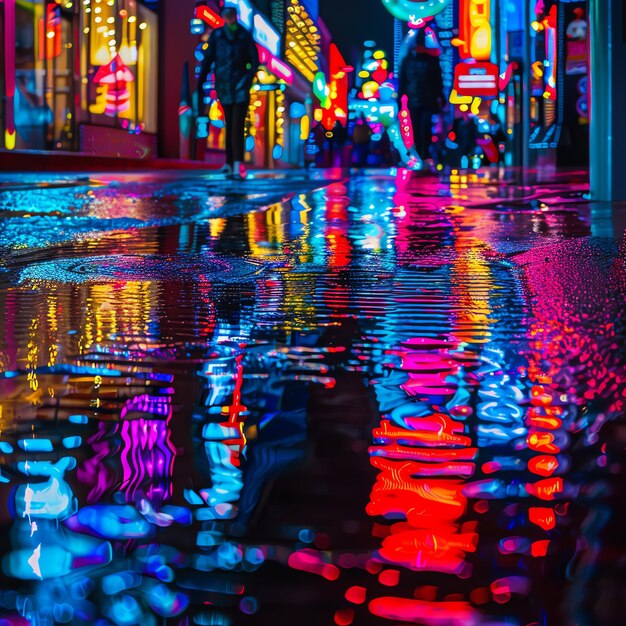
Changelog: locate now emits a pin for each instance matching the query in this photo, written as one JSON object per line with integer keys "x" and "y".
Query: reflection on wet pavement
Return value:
{"x": 299, "y": 401}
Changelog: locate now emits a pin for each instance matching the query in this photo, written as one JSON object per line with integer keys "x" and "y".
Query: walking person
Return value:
{"x": 361, "y": 136}
{"x": 235, "y": 58}
{"x": 422, "y": 82}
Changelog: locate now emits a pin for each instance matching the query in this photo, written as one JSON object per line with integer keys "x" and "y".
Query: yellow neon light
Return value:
{"x": 456, "y": 99}
{"x": 480, "y": 44}
{"x": 305, "y": 128}
{"x": 302, "y": 41}
{"x": 9, "y": 139}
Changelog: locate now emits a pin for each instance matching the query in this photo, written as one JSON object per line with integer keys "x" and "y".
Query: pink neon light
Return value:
{"x": 148, "y": 453}
{"x": 275, "y": 65}
{"x": 313, "y": 562}
{"x": 406, "y": 126}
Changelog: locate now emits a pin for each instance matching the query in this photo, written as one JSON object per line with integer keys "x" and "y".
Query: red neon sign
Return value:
{"x": 204, "y": 13}
{"x": 338, "y": 90}
{"x": 476, "y": 79}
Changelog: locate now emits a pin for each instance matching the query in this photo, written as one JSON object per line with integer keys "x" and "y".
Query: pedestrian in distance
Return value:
{"x": 421, "y": 81}
{"x": 462, "y": 141}
{"x": 234, "y": 58}
{"x": 361, "y": 136}
{"x": 340, "y": 142}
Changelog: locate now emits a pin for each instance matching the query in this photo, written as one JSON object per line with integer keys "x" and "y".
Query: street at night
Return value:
{"x": 306, "y": 401}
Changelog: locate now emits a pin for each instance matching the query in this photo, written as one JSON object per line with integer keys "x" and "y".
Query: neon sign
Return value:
{"x": 10, "y": 133}
{"x": 476, "y": 80}
{"x": 475, "y": 77}
{"x": 475, "y": 40}
{"x": 265, "y": 34}
{"x": 206, "y": 14}
{"x": 275, "y": 65}
{"x": 415, "y": 11}
{"x": 115, "y": 75}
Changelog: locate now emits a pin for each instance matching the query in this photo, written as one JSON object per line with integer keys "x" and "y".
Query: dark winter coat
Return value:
{"x": 421, "y": 80}
{"x": 236, "y": 60}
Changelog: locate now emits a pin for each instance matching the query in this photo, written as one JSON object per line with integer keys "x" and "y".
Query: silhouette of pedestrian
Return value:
{"x": 234, "y": 55}
{"x": 361, "y": 136}
{"x": 421, "y": 80}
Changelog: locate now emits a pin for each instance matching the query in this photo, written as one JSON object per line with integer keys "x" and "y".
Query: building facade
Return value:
{"x": 79, "y": 76}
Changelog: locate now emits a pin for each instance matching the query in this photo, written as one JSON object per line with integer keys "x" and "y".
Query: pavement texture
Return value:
{"x": 310, "y": 398}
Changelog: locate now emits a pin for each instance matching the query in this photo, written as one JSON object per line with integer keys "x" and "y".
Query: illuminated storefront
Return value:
{"x": 80, "y": 76}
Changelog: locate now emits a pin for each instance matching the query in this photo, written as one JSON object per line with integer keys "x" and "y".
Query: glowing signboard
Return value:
{"x": 475, "y": 37}
{"x": 266, "y": 35}
{"x": 206, "y": 14}
{"x": 476, "y": 79}
{"x": 279, "y": 68}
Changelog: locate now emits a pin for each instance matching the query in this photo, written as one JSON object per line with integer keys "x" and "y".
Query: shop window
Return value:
{"x": 119, "y": 64}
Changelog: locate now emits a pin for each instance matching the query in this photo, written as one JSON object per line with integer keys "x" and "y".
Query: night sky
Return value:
{"x": 353, "y": 21}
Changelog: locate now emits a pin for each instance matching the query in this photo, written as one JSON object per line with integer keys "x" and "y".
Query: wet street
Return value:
{"x": 302, "y": 401}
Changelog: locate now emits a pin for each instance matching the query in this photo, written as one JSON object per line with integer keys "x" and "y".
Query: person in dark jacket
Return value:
{"x": 421, "y": 80}
{"x": 235, "y": 58}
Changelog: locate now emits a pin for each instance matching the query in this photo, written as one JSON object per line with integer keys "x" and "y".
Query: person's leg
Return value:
{"x": 420, "y": 132}
{"x": 240, "y": 111}
{"x": 427, "y": 129}
{"x": 228, "y": 121}
{"x": 359, "y": 153}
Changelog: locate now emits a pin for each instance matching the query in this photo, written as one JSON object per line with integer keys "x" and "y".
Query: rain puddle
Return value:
{"x": 310, "y": 402}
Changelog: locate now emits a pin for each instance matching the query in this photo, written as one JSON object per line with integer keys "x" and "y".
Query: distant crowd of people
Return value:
{"x": 452, "y": 144}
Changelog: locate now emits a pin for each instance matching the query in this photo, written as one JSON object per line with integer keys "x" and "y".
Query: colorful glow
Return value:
{"x": 322, "y": 90}
{"x": 216, "y": 114}
{"x": 332, "y": 93}
{"x": 49, "y": 31}
{"x": 423, "y": 612}
{"x": 379, "y": 104}
{"x": 462, "y": 342}
{"x": 314, "y": 562}
{"x": 551, "y": 53}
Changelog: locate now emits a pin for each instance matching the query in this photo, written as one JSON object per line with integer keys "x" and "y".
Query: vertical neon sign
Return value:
{"x": 9, "y": 73}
